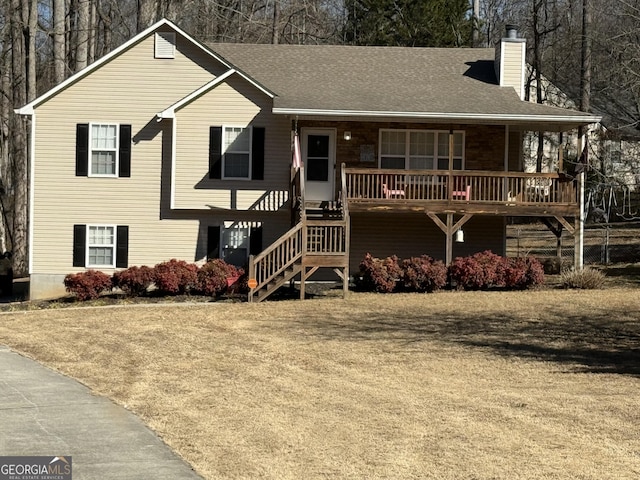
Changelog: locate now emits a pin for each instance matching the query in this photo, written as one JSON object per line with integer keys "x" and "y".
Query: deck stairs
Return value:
{"x": 319, "y": 239}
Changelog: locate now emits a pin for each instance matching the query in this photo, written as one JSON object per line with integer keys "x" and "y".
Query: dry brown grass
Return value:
{"x": 451, "y": 385}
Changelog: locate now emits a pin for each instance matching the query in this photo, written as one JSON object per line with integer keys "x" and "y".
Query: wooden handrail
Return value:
{"x": 280, "y": 255}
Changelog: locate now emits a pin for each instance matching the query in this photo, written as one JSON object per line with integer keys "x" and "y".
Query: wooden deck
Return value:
{"x": 461, "y": 192}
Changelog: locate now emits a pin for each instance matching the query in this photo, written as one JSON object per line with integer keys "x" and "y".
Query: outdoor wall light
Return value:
{"x": 347, "y": 136}
{"x": 459, "y": 237}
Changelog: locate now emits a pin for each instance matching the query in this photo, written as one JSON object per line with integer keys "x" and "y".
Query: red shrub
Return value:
{"x": 532, "y": 272}
{"x": 486, "y": 269}
{"x": 241, "y": 285}
{"x": 423, "y": 274}
{"x": 87, "y": 285}
{"x": 380, "y": 275}
{"x": 515, "y": 274}
{"x": 175, "y": 277}
{"x": 216, "y": 277}
{"x": 134, "y": 281}
{"x": 479, "y": 271}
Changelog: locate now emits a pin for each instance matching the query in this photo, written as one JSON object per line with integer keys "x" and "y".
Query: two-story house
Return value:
{"x": 284, "y": 157}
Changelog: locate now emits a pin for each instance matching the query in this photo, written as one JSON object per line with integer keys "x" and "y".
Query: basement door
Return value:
{"x": 319, "y": 159}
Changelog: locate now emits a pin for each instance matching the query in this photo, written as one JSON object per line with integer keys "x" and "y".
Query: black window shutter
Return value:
{"x": 257, "y": 154}
{"x": 255, "y": 240}
{"x": 122, "y": 246}
{"x": 125, "y": 151}
{"x": 215, "y": 152}
{"x": 79, "y": 245}
{"x": 82, "y": 149}
{"x": 213, "y": 243}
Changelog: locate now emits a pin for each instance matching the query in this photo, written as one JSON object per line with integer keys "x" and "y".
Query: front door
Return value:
{"x": 319, "y": 158}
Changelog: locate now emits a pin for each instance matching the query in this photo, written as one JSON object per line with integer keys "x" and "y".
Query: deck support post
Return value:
{"x": 449, "y": 229}
{"x": 578, "y": 261}
{"x": 303, "y": 278}
{"x": 449, "y": 239}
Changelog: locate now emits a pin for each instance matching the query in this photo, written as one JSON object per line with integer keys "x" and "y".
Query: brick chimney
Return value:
{"x": 510, "y": 61}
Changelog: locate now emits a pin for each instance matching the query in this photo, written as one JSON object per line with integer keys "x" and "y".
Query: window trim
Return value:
{"x": 224, "y": 153}
{"x": 89, "y": 245}
{"x": 90, "y": 173}
{"x": 407, "y": 155}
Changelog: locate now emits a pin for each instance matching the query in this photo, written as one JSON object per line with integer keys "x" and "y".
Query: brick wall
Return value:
{"x": 484, "y": 144}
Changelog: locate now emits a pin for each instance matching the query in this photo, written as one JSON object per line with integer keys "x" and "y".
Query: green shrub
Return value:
{"x": 587, "y": 278}
{"x": 87, "y": 285}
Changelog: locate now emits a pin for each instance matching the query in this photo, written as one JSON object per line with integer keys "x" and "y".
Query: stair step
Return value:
{"x": 323, "y": 205}
{"x": 323, "y": 209}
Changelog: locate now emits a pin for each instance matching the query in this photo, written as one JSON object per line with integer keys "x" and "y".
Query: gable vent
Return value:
{"x": 165, "y": 45}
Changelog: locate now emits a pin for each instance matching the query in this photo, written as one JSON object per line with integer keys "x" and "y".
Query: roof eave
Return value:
{"x": 582, "y": 119}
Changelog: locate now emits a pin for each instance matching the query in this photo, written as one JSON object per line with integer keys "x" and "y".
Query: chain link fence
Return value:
{"x": 603, "y": 243}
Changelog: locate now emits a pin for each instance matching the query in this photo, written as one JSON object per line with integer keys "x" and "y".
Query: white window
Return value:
{"x": 420, "y": 149}
{"x": 103, "y": 143}
{"x": 101, "y": 246}
{"x": 236, "y": 160}
{"x": 235, "y": 243}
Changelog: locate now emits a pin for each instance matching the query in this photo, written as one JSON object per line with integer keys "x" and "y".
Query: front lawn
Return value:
{"x": 449, "y": 385}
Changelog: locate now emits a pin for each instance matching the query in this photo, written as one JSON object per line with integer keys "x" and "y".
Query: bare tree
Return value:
{"x": 82, "y": 35}
{"x": 6, "y": 103}
{"x": 19, "y": 18}
{"x": 59, "y": 12}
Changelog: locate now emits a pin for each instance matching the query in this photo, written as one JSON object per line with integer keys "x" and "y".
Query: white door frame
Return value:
{"x": 315, "y": 190}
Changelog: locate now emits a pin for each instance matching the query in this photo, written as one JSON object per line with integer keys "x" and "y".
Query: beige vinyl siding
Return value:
{"x": 233, "y": 103}
{"x": 129, "y": 89}
{"x": 513, "y": 66}
{"x": 409, "y": 235}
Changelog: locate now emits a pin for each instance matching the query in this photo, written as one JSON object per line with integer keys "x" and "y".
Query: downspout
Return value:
{"x": 32, "y": 161}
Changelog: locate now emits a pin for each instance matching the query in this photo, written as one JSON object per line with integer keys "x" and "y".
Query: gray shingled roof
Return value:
{"x": 334, "y": 78}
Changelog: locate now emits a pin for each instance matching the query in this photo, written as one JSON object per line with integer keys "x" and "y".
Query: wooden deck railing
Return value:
{"x": 460, "y": 186}
{"x": 325, "y": 237}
